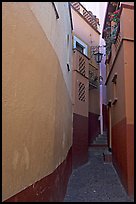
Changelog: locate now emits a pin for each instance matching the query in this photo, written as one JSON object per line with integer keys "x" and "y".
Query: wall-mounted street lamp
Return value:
{"x": 98, "y": 55}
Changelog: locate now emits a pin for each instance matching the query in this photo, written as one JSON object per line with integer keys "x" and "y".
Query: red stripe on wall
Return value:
{"x": 51, "y": 188}
{"x": 123, "y": 153}
{"x": 80, "y": 140}
{"x": 130, "y": 158}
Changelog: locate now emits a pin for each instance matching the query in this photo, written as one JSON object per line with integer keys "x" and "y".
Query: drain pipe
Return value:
{"x": 101, "y": 100}
{"x": 101, "y": 115}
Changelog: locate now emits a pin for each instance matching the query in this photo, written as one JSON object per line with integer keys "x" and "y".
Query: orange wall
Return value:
{"x": 123, "y": 111}
{"x": 127, "y": 18}
{"x": 123, "y": 117}
{"x": 129, "y": 80}
{"x": 124, "y": 67}
{"x": 118, "y": 110}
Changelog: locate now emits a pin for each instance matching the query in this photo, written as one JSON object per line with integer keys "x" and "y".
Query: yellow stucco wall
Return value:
{"x": 36, "y": 104}
{"x": 56, "y": 31}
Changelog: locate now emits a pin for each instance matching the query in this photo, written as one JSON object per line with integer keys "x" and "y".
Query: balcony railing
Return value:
{"x": 114, "y": 49}
{"x": 81, "y": 62}
{"x": 93, "y": 77}
{"x": 115, "y": 43}
{"x": 83, "y": 66}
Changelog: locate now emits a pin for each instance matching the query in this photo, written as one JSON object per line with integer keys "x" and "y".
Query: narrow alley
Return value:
{"x": 68, "y": 102}
{"x": 95, "y": 181}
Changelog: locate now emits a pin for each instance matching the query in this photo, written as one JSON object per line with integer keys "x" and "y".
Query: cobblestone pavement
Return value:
{"x": 95, "y": 181}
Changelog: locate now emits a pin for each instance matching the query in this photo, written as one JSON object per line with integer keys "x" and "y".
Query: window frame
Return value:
{"x": 76, "y": 39}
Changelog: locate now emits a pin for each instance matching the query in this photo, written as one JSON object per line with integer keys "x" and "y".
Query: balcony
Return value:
{"x": 118, "y": 27}
{"x": 113, "y": 45}
{"x": 84, "y": 66}
{"x": 114, "y": 52}
{"x": 93, "y": 77}
{"x": 80, "y": 63}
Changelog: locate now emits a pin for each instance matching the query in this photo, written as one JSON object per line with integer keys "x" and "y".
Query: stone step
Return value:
{"x": 102, "y": 135}
{"x": 99, "y": 142}
{"x": 99, "y": 145}
{"x": 105, "y": 138}
{"x": 101, "y": 138}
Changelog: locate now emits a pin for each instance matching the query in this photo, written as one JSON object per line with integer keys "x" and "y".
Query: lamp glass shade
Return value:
{"x": 98, "y": 57}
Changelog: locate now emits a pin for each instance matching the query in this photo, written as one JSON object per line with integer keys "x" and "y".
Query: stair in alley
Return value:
{"x": 100, "y": 140}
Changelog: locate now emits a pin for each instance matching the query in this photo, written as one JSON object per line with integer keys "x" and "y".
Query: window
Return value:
{"x": 80, "y": 45}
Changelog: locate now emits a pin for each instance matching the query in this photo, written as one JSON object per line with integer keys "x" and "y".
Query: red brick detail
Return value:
{"x": 51, "y": 188}
{"x": 93, "y": 127}
{"x": 80, "y": 140}
{"x": 123, "y": 153}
